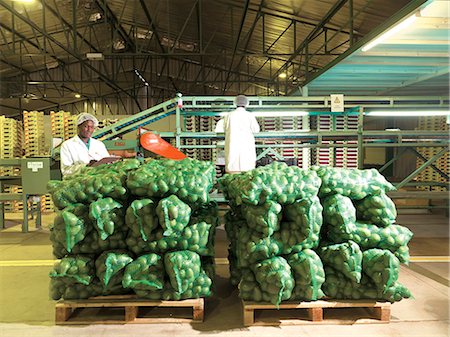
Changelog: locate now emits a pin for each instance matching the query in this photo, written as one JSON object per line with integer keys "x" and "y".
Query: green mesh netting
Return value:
{"x": 309, "y": 275}
{"x": 377, "y": 209}
{"x": 107, "y": 215}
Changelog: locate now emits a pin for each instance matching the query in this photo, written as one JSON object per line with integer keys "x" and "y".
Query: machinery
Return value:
{"x": 35, "y": 173}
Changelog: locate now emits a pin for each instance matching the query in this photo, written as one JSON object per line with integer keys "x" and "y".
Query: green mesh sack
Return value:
{"x": 119, "y": 167}
{"x": 71, "y": 225}
{"x": 182, "y": 268}
{"x": 339, "y": 215}
{"x": 91, "y": 244}
{"x": 59, "y": 289}
{"x": 345, "y": 258}
{"x": 263, "y": 218}
{"x": 253, "y": 247}
{"x": 86, "y": 188}
{"x": 353, "y": 183}
{"x": 377, "y": 209}
{"x": 276, "y": 182}
{"x": 309, "y": 275}
{"x": 274, "y": 276}
{"x": 208, "y": 213}
{"x": 233, "y": 223}
{"x": 235, "y": 272}
{"x": 306, "y": 214}
{"x": 394, "y": 238}
{"x": 249, "y": 289}
{"x": 198, "y": 238}
{"x": 201, "y": 287}
{"x": 110, "y": 266}
{"x": 74, "y": 269}
{"x": 382, "y": 267}
{"x": 107, "y": 215}
{"x": 338, "y": 286}
{"x": 293, "y": 238}
{"x": 141, "y": 217}
{"x": 189, "y": 179}
{"x": 144, "y": 273}
{"x": 173, "y": 215}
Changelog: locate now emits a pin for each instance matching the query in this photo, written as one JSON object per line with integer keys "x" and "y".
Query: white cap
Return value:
{"x": 241, "y": 100}
{"x": 84, "y": 116}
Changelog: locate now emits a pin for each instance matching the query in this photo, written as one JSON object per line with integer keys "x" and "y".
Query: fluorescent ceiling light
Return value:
{"x": 387, "y": 113}
{"x": 394, "y": 30}
{"x": 77, "y": 95}
{"x": 282, "y": 75}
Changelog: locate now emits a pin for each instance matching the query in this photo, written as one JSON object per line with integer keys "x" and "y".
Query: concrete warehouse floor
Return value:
{"x": 25, "y": 308}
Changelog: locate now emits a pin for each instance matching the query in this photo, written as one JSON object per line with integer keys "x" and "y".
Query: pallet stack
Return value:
{"x": 434, "y": 123}
{"x": 346, "y": 157}
{"x": 11, "y": 144}
{"x": 63, "y": 125}
{"x": 33, "y": 122}
{"x": 324, "y": 155}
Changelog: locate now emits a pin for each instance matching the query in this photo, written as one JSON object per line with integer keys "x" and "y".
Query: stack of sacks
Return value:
{"x": 281, "y": 248}
{"x": 130, "y": 228}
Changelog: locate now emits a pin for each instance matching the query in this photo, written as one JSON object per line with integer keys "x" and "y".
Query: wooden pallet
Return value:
{"x": 128, "y": 309}
{"x": 339, "y": 312}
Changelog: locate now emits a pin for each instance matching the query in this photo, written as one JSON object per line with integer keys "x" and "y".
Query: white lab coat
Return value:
{"x": 240, "y": 150}
{"x": 75, "y": 155}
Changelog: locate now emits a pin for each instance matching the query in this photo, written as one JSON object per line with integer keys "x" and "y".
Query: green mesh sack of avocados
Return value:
{"x": 74, "y": 269}
{"x": 189, "y": 179}
{"x": 144, "y": 273}
{"x": 345, "y": 258}
{"x": 141, "y": 217}
{"x": 381, "y": 266}
{"x": 263, "y": 218}
{"x": 173, "y": 215}
{"x": 107, "y": 215}
{"x": 253, "y": 247}
{"x": 353, "y": 183}
{"x": 377, "y": 209}
{"x": 200, "y": 287}
{"x": 198, "y": 238}
{"x": 309, "y": 275}
{"x": 338, "y": 286}
{"x": 120, "y": 167}
{"x": 274, "y": 276}
{"x": 182, "y": 268}
{"x": 249, "y": 289}
{"x": 109, "y": 268}
{"x": 91, "y": 244}
{"x": 339, "y": 216}
{"x": 306, "y": 214}
{"x": 71, "y": 225}
{"x": 394, "y": 238}
{"x": 276, "y": 182}
{"x": 88, "y": 187}
{"x": 59, "y": 289}
{"x": 208, "y": 213}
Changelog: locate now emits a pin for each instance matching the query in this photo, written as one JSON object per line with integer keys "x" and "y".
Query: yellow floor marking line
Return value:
{"x": 430, "y": 259}
{"x": 27, "y": 263}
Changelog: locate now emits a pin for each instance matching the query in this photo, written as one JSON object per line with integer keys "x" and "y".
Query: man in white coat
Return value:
{"x": 82, "y": 150}
{"x": 239, "y": 127}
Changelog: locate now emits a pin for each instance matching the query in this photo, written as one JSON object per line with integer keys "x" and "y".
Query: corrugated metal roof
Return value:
{"x": 197, "y": 47}
{"x": 413, "y": 61}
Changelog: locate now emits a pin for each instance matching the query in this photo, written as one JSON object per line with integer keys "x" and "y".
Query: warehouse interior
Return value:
{"x": 351, "y": 84}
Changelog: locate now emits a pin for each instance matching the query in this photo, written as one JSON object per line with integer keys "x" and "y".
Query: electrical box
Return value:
{"x": 36, "y": 172}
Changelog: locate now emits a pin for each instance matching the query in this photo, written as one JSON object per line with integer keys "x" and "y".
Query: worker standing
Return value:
{"x": 82, "y": 150}
{"x": 239, "y": 127}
